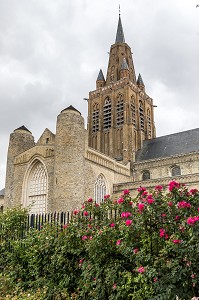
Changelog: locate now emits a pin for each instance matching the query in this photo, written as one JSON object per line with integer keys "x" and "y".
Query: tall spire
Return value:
{"x": 120, "y": 33}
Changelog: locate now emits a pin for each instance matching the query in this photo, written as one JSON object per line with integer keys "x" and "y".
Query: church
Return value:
{"x": 118, "y": 150}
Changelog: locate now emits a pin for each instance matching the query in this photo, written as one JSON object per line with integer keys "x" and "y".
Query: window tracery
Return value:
{"x": 100, "y": 189}
{"x": 37, "y": 189}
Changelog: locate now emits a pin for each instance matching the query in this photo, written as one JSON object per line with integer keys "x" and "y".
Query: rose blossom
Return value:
{"x": 84, "y": 238}
{"x": 177, "y": 241}
{"x": 135, "y": 250}
{"x": 173, "y": 184}
{"x": 192, "y": 220}
{"x": 85, "y": 213}
{"x": 128, "y": 222}
{"x": 112, "y": 225}
{"x": 118, "y": 242}
{"x": 158, "y": 188}
{"x": 120, "y": 200}
{"x": 90, "y": 200}
{"x": 161, "y": 232}
{"x": 126, "y": 192}
{"x": 140, "y": 207}
{"x": 126, "y": 214}
{"x": 141, "y": 269}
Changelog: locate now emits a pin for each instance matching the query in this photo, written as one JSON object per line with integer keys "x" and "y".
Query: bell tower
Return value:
{"x": 120, "y": 113}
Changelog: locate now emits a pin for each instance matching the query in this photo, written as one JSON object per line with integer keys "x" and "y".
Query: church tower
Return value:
{"x": 120, "y": 113}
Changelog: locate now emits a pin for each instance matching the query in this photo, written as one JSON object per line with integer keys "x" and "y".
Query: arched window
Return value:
{"x": 95, "y": 117}
{"x": 36, "y": 189}
{"x": 133, "y": 111}
{"x": 100, "y": 189}
{"x": 175, "y": 171}
{"x": 141, "y": 114}
{"x": 146, "y": 175}
{"x": 107, "y": 113}
{"x": 120, "y": 111}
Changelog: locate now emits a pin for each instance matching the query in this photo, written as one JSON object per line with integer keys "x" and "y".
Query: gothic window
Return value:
{"x": 149, "y": 121}
{"x": 175, "y": 171}
{"x": 37, "y": 189}
{"x": 133, "y": 111}
{"x": 120, "y": 111}
{"x": 95, "y": 118}
{"x": 107, "y": 113}
{"x": 146, "y": 175}
{"x": 141, "y": 114}
{"x": 100, "y": 189}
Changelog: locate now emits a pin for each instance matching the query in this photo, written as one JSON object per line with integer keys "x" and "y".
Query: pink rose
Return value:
{"x": 84, "y": 238}
{"x": 120, "y": 200}
{"x": 177, "y": 241}
{"x": 135, "y": 250}
{"x": 126, "y": 192}
{"x": 170, "y": 203}
{"x": 85, "y": 213}
{"x": 158, "y": 187}
{"x": 141, "y": 269}
{"x": 161, "y": 232}
{"x": 118, "y": 242}
{"x": 90, "y": 200}
{"x": 112, "y": 225}
{"x": 141, "y": 207}
{"x": 128, "y": 222}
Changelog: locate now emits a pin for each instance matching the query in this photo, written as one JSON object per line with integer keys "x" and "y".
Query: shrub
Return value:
{"x": 142, "y": 248}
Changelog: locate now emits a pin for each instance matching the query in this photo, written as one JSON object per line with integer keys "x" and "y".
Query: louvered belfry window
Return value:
{"x": 149, "y": 121}
{"x": 107, "y": 114}
{"x": 133, "y": 111}
{"x": 95, "y": 118}
{"x": 120, "y": 111}
{"x": 141, "y": 114}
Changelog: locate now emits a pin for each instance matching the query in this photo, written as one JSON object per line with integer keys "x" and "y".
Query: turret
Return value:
{"x": 20, "y": 140}
{"x": 69, "y": 160}
{"x": 100, "y": 82}
{"x": 140, "y": 83}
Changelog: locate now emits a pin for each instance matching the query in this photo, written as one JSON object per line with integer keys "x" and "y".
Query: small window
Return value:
{"x": 47, "y": 140}
{"x": 175, "y": 171}
{"x": 146, "y": 175}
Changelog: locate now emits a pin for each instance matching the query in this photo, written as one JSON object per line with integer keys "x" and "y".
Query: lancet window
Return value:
{"x": 120, "y": 111}
{"x": 107, "y": 113}
{"x": 95, "y": 118}
{"x": 100, "y": 189}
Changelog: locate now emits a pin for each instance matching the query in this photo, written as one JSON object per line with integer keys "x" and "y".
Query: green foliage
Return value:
{"x": 142, "y": 248}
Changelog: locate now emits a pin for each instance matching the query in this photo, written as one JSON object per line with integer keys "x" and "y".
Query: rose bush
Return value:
{"x": 142, "y": 248}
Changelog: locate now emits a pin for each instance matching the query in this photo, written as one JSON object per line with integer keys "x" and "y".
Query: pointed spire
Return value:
{"x": 139, "y": 80}
{"x": 100, "y": 76}
{"x": 120, "y": 33}
{"x": 124, "y": 65}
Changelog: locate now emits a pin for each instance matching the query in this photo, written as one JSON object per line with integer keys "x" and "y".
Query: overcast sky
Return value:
{"x": 51, "y": 52}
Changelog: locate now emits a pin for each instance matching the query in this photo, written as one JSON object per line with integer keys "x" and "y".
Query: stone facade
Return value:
{"x": 117, "y": 151}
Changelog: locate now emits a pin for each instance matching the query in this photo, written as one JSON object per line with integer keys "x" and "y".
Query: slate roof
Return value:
{"x": 23, "y": 128}
{"x": 2, "y": 192}
{"x": 169, "y": 145}
{"x": 120, "y": 33}
{"x": 139, "y": 80}
{"x": 71, "y": 108}
{"x": 100, "y": 76}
